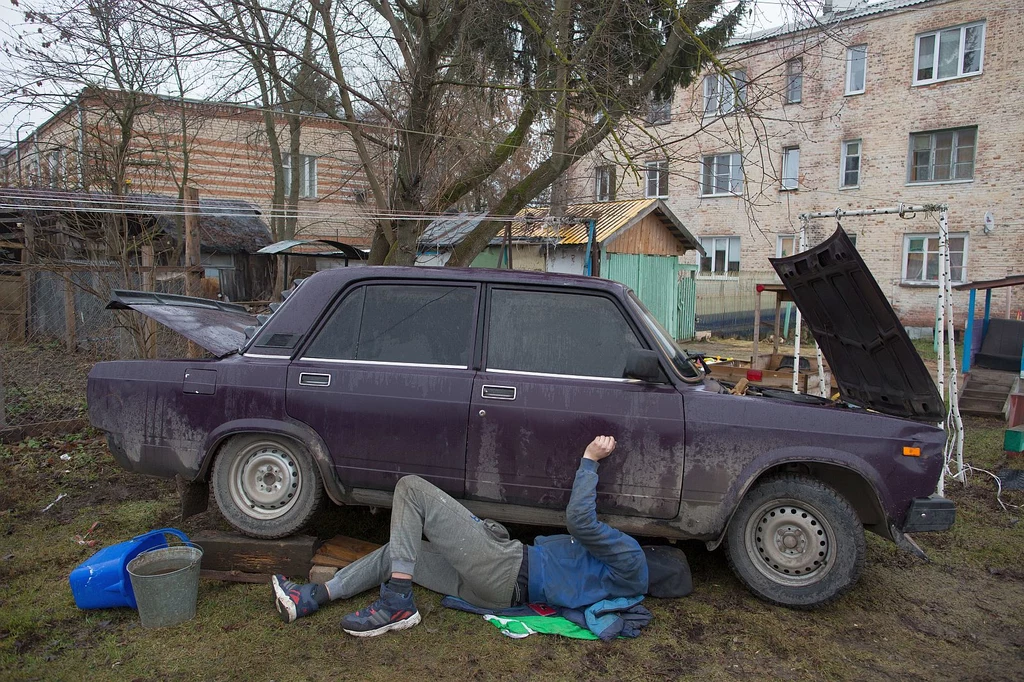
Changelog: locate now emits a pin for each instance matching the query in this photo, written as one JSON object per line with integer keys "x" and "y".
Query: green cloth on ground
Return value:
{"x": 524, "y": 626}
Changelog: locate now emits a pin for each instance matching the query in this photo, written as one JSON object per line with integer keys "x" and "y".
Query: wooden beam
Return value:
{"x": 224, "y": 551}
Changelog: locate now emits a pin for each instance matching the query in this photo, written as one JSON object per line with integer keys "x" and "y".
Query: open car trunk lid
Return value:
{"x": 216, "y": 326}
{"x": 871, "y": 356}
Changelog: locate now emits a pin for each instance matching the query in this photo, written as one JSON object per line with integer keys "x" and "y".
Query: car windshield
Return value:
{"x": 679, "y": 360}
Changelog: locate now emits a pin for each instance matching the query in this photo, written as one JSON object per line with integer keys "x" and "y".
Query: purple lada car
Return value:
{"x": 488, "y": 383}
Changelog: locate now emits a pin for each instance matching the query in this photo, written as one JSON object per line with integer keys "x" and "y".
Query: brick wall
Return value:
{"x": 890, "y": 109}
{"x": 229, "y": 158}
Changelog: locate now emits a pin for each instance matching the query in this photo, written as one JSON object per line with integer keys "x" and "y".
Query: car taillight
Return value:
{"x": 754, "y": 375}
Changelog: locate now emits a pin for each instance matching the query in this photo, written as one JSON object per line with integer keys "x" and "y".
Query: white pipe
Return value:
{"x": 896, "y": 210}
{"x": 796, "y": 338}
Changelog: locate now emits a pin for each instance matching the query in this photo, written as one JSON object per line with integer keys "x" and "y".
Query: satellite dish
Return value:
{"x": 990, "y": 222}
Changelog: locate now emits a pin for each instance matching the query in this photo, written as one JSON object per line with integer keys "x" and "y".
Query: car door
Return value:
{"x": 386, "y": 382}
{"x": 551, "y": 381}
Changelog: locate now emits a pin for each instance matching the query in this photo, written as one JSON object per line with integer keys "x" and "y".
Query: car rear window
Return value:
{"x": 557, "y": 333}
{"x": 415, "y": 324}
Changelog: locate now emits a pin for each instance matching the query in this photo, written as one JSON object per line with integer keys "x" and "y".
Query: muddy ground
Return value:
{"x": 959, "y": 617}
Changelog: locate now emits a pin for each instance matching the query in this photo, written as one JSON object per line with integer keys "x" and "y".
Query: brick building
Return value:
{"x": 906, "y": 101}
{"x": 227, "y": 150}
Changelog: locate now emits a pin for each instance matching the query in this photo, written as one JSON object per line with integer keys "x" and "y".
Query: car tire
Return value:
{"x": 796, "y": 542}
{"x": 266, "y": 486}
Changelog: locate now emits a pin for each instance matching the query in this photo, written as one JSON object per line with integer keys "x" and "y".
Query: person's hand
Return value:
{"x": 599, "y": 448}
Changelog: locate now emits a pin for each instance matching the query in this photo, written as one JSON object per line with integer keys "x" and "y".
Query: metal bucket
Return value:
{"x": 166, "y": 582}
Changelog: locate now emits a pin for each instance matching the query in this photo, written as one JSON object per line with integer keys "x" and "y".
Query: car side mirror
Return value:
{"x": 643, "y": 365}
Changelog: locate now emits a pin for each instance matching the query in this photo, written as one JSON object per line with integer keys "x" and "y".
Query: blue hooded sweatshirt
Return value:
{"x": 593, "y": 563}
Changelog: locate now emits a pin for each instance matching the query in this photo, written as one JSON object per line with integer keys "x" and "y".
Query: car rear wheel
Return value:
{"x": 796, "y": 542}
{"x": 266, "y": 486}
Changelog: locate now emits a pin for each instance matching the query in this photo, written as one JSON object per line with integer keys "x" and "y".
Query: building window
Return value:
{"x": 943, "y": 155}
{"x": 850, "y": 164}
{"x": 659, "y": 111}
{"x": 949, "y": 53}
{"x": 921, "y": 257}
{"x": 307, "y": 175}
{"x": 722, "y": 175}
{"x": 725, "y": 93}
{"x": 786, "y": 245}
{"x": 55, "y": 168}
{"x": 604, "y": 183}
{"x": 657, "y": 179}
{"x": 790, "y": 168}
{"x": 722, "y": 255}
{"x": 856, "y": 69}
{"x": 794, "y": 80}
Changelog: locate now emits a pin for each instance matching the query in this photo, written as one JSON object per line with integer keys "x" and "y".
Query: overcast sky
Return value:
{"x": 766, "y": 13}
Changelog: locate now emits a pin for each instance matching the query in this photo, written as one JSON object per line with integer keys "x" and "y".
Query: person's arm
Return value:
{"x": 615, "y": 549}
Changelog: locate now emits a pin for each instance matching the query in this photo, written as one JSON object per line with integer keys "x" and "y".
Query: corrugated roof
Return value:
{"x": 225, "y": 225}
{"x": 824, "y": 22}
{"x": 449, "y": 231}
{"x": 610, "y": 217}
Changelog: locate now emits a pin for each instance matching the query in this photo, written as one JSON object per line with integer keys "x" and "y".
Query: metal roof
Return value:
{"x": 824, "y": 22}
{"x": 611, "y": 217}
{"x": 337, "y": 250}
{"x": 1008, "y": 281}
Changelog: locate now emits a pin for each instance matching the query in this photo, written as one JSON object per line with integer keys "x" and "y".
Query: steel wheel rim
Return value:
{"x": 265, "y": 481}
{"x": 790, "y": 542}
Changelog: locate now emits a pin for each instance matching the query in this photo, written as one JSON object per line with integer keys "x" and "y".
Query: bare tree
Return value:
{"x": 554, "y": 83}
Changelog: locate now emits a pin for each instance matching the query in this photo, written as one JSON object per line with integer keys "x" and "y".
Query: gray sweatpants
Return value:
{"x": 463, "y": 556}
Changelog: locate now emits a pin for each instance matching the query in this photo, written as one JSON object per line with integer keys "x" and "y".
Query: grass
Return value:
{"x": 959, "y": 617}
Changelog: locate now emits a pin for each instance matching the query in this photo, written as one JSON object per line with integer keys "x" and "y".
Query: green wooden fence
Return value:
{"x": 665, "y": 285}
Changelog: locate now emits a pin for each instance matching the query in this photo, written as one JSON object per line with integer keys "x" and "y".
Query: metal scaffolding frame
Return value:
{"x": 954, "y": 448}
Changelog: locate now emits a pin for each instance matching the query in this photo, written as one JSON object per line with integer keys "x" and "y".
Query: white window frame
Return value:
{"x": 658, "y": 172}
{"x": 779, "y": 253}
{"x": 936, "y": 36}
{"x": 731, "y": 241}
{"x": 925, "y": 281}
{"x": 790, "y": 169}
{"x": 720, "y": 97}
{"x": 604, "y": 183}
{"x": 850, "y": 90}
{"x": 954, "y": 155}
{"x": 794, "y": 81}
{"x": 308, "y": 171}
{"x": 735, "y": 162}
{"x": 844, "y": 155}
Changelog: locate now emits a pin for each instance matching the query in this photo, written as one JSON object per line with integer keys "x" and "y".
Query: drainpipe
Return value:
{"x": 588, "y": 263}
{"x": 81, "y": 146}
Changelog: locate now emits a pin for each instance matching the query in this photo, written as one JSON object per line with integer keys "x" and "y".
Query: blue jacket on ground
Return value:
{"x": 593, "y": 563}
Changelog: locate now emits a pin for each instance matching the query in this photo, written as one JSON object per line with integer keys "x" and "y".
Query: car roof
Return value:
{"x": 337, "y": 276}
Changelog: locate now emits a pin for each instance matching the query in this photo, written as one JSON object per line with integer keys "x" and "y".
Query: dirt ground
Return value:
{"x": 959, "y": 617}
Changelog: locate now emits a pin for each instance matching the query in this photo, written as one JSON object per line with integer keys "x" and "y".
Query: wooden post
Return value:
{"x": 192, "y": 259}
{"x": 70, "y": 333}
{"x": 757, "y": 325}
{"x": 148, "y": 284}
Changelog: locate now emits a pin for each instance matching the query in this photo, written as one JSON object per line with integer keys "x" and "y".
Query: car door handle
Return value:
{"x": 498, "y": 392}
{"x": 312, "y": 379}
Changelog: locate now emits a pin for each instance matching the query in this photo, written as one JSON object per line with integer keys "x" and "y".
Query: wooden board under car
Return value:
{"x": 237, "y": 558}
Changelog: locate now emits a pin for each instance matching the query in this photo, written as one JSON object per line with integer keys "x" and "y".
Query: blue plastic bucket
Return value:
{"x": 102, "y": 580}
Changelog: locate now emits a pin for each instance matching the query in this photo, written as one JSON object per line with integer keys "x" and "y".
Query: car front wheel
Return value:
{"x": 266, "y": 486}
{"x": 796, "y": 542}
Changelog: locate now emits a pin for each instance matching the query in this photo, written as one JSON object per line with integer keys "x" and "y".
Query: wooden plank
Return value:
{"x": 234, "y": 576}
{"x": 235, "y": 552}
{"x": 342, "y": 550}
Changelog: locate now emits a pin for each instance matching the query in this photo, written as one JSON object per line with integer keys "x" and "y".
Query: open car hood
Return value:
{"x": 218, "y": 327}
{"x": 867, "y": 348}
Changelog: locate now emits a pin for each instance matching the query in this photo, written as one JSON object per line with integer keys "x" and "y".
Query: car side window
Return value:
{"x": 557, "y": 333}
{"x": 407, "y": 323}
